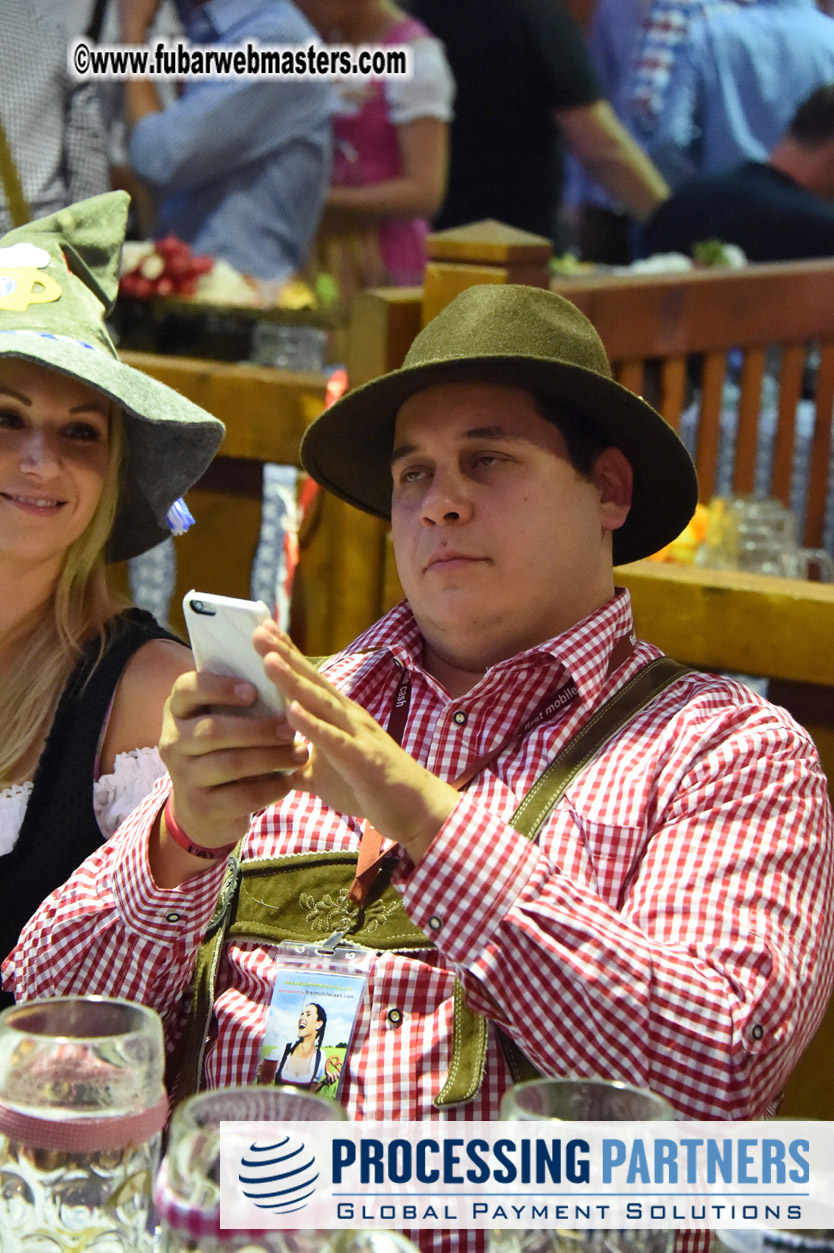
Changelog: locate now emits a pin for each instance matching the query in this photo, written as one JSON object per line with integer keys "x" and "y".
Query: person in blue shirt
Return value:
{"x": 634, "y": 45}
{"x": 738, "y": 83}
{"x": 240, "y": 166}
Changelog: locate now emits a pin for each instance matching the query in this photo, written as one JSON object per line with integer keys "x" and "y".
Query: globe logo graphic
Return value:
{"x": 278, "y": 1175}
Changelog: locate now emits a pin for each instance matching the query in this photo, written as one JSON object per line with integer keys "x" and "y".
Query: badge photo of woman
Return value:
{"x": 303, "y": 1063}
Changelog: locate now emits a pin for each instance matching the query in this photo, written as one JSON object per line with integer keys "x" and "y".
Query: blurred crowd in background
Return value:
{"x": 615, "y": 128}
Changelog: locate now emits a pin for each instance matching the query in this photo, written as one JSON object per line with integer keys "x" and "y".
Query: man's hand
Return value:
{"x": 354, "y": 766}
{"x": 223, "y": 767}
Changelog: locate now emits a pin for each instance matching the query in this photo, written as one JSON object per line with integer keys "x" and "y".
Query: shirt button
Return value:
{"x": 435, "y": 923}
{"x": 395, "y": 1017}
{"x": 173, "y": 917}
{"x": 757, "y": 1032}
{"x": 459, "y": 718}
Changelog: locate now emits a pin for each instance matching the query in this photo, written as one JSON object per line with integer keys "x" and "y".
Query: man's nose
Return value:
{"x": 447, "y": 500}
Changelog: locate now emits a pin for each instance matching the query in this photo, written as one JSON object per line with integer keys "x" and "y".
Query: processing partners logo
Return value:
{"x": 278, "y": 1175}
{"x": 330, "y": 1176}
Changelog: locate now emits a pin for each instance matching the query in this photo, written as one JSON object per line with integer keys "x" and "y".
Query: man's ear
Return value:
{"x": 613, "y": 478}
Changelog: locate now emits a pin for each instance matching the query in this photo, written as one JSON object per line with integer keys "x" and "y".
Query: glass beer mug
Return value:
{"x": 82, "y": 1106}
{"x": 187, "y": 1192}
{"x": 582, "y": 1100}
{"x": 759, "y": 535}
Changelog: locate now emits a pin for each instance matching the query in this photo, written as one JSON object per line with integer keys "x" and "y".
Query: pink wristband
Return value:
{"x": 179, "y": 837}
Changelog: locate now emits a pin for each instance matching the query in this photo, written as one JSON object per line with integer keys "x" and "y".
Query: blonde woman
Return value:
{"x": 93, "y": 456}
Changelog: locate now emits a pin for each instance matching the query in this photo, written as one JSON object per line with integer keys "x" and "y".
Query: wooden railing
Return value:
{"x": 678, "y": 339}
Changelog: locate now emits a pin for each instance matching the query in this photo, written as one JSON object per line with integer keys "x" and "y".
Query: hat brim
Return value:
{"x": 170, "y": 441}
{"x": 348, "y": 449}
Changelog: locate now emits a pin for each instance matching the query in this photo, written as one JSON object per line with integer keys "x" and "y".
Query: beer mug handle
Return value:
{"x": 801, "y": 562}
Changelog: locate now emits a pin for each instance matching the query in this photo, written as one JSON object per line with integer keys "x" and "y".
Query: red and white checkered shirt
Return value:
{"x": 672, "y": 926}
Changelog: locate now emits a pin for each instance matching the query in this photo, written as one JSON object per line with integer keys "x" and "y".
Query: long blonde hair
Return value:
{"x": 52, "y": 639}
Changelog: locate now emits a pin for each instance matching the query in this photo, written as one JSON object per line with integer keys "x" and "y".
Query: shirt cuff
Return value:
{"x": 469, "y": 879}
{"x": 164, "y": 916}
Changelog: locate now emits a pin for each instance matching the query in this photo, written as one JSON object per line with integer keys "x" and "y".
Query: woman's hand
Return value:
{"x": 332, "y": 1068}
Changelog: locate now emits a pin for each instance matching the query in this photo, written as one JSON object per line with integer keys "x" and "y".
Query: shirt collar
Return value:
{"x": 584, "y": 651}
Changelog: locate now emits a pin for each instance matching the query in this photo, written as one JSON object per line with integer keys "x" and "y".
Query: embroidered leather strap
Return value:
{"x": 305, "y": 897}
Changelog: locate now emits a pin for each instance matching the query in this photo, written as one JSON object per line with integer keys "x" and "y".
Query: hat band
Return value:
{"x": 64, "y": 339}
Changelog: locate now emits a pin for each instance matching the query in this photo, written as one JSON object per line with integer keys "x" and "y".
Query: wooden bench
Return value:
{"x": 347, "y": 576}
{"x": 655, "y": 328}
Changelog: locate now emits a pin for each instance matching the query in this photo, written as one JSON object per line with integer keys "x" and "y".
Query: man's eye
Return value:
{"x": 9, "y": 418}
{"x": 412, "y": 475}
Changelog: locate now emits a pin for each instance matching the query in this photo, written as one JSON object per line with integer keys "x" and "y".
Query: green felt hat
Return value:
{"x": 520, "y": 337}
{"x": 59, "y": 278}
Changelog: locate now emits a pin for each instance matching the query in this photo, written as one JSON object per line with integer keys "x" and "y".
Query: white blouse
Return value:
{"x": 114, "y": 795}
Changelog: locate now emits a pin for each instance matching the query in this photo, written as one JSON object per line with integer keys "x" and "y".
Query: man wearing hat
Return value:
{"x": 562, "y": 849}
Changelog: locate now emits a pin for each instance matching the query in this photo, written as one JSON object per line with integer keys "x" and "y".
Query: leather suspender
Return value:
{"x": 242, "y": 910}
{"x": 590, "y": 739}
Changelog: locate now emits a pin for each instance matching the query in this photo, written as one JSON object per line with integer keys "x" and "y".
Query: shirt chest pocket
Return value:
{"x": 605, "y": 855}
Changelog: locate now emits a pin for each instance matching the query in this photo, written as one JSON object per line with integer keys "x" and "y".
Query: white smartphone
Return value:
{"x": 220, "y": 629}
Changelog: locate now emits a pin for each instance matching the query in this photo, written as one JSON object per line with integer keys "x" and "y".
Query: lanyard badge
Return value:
{"x": 312, "y": 1015}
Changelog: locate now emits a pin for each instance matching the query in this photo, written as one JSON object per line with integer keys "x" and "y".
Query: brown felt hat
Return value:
{"x": 519, "y": 337}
